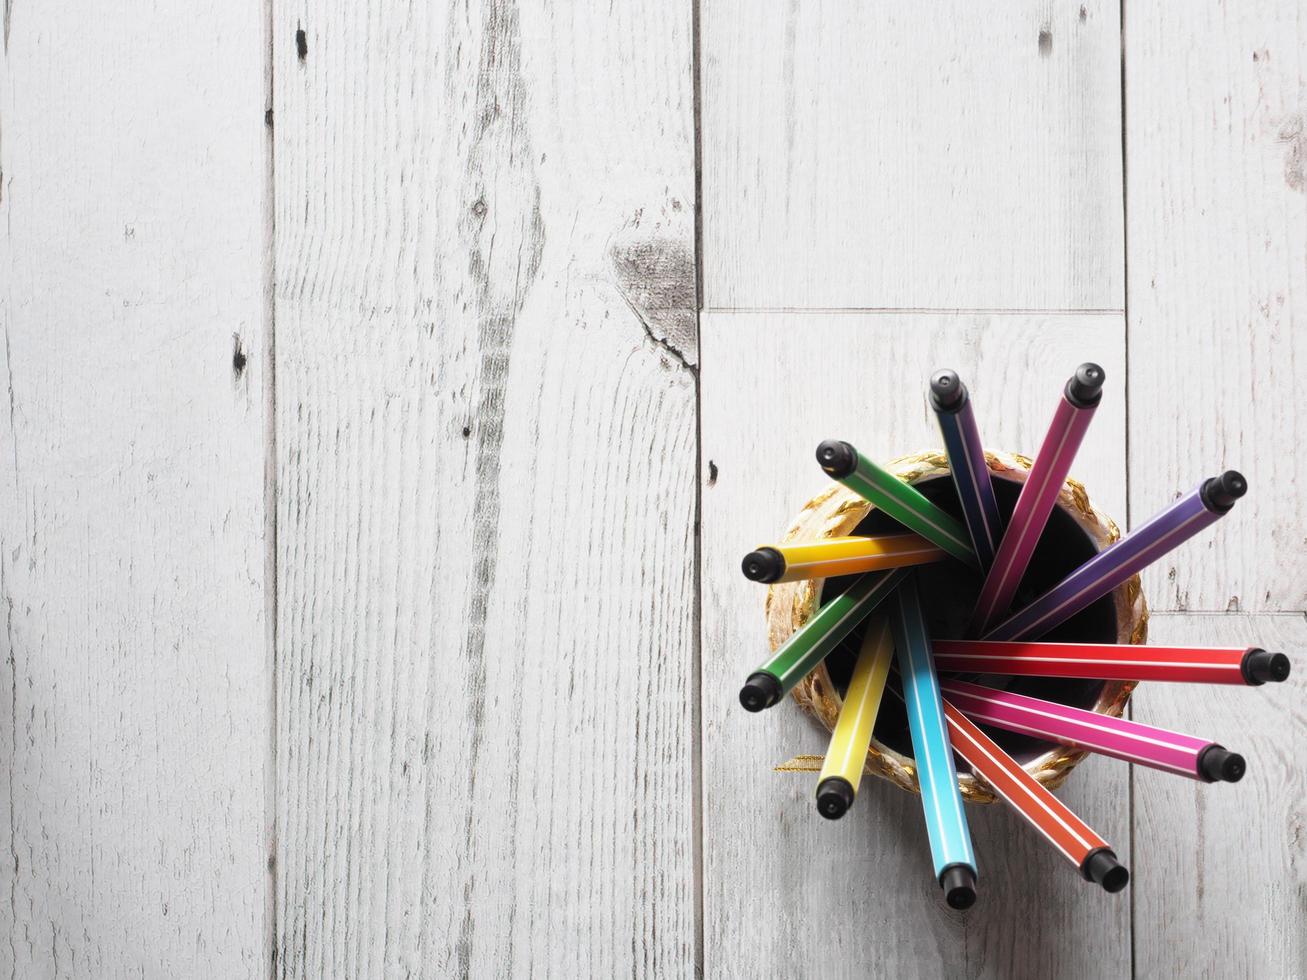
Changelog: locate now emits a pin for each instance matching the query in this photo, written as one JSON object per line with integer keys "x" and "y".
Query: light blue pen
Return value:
{"x": 946, "y": 824}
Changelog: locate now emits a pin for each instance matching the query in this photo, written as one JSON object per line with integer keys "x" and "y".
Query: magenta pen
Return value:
{"x": 1120, "y": 738}
{"x": 1080, "y": 398}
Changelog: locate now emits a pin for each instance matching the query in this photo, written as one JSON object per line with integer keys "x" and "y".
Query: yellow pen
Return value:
{"x": 838, "y": 556}
{"x": 847, "y": 754}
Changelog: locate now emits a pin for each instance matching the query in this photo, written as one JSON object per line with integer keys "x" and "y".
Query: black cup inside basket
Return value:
{"x": 948, "y": 594}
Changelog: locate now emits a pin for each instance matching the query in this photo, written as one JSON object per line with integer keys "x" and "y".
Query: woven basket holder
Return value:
{"x": 837, "y": 511}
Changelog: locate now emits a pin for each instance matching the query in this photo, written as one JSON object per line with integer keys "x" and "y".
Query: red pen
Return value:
{"x": 1109, "y": 661}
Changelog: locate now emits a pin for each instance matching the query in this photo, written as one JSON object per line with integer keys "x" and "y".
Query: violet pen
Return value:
{"x": 1204, "y": 505}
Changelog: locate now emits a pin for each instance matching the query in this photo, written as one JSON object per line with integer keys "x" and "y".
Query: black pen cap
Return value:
{"x": 1259, "y": 666}
{"x": 1220, "y": 492}
{"x": 763, "y": 565}
{"x": 837, "y": 458}
{"x": 1218, "y": 764}
{"x": 1085, "y": 389}
{"x": 834, "y": 797}
{"x": 959, "y": 884}
{"x": 761, "y": 690}
{"x": 1102, "y": 868}
{"x": 947, "y": 392}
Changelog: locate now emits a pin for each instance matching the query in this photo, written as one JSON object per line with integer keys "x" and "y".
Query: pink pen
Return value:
{"x": 1122, "y": 739}
{"x": 1075, "y": 408}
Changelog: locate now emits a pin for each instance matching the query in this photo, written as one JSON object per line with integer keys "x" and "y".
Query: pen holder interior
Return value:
{"x": 1076, "y": 530}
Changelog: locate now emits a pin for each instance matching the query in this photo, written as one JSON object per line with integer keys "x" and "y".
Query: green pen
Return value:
{"x": 811, "y": 642}
{"x": 903, "y": 503}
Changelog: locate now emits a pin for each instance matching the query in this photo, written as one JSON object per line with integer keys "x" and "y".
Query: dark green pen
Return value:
{"x": 811, "y": 642}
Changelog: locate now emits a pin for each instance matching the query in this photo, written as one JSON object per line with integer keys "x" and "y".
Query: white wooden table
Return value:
{"x": 393, "y": 388}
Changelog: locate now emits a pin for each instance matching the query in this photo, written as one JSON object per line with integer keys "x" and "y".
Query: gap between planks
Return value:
{"x": 271, "y": 489}
{"x": 1229, "y": 613}
{"x": 898, "y": 311}
{"x": 696, "y": 662}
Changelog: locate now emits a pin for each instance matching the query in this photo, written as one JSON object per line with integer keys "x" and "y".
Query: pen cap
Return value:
{"x": 761, "y": 690}
{"x": 1220, "y": 492}
{"x": 947, "y": 392}
{"x": 834, "y": 797}
{"x": 837, "y": 458}
{"x": 763, "y": 565}
{"x": 1261, "y": 666}
{"x": 1102, "y": 868}
{"x": 1218, "y": 764}
{"x": 1085, "y": 389}
{"x": 959, "y": 884}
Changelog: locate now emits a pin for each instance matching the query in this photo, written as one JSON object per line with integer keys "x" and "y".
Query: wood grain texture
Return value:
{"x": 786, "y": 892}
{"x": 134, "y": 716}
{"x": 920, "y": 156}
{"x": 1217, "y": 171}
{"x": 486, "y": 444}
{"x": 1220, "y": 872}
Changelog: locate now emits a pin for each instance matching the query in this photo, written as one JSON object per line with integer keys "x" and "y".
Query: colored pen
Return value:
{"x": 946, "y": 823}
{"x": 1120, "y": 738}
{"x": 1076, "y": 841}
{"x": 837, "y": 556}
{"x": 1112, "y": 662}
{"x": 812, "y": 641}
{"x": 966, "y": 460}
{"x": 847, "y": 755}
{"x": 1204, "y": 505}
{"x": 903, "y": 503}
{"x": 1075, "y": 409}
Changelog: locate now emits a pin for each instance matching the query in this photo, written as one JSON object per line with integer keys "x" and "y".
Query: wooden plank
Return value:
{"x": 787, "y": 893}
{"x": 912, "y": 156}
{"x": 486, "y": 453}
{"x": 134, "y": 722}
{"x": 1217, "y": 171}
{"x": 1220, "y": 874}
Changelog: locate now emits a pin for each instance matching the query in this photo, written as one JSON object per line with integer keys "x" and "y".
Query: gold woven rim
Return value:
{"x": 837, "y": 510}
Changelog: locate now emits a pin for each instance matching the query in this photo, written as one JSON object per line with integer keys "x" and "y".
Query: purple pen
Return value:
{"x": 1079, "y": 399}
{"x": 1194, "y": 511}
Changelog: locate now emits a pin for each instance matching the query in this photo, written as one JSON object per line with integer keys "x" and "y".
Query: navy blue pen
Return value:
{"x": 966, "y": 460}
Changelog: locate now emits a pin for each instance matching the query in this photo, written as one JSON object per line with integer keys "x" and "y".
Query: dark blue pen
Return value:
{"x": 966, "y": 459}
